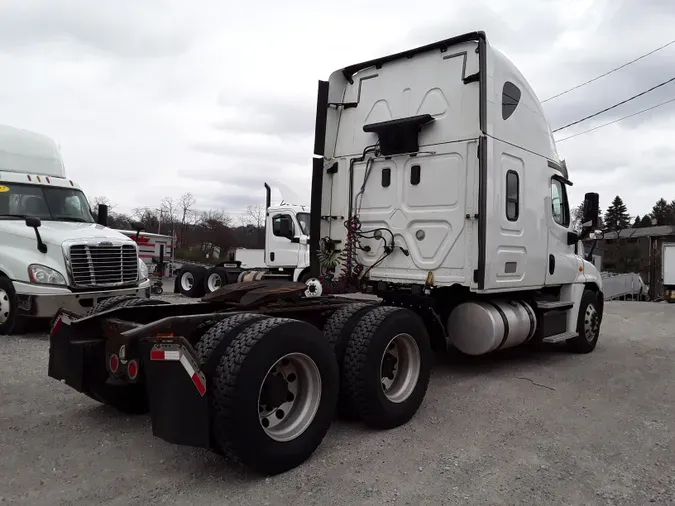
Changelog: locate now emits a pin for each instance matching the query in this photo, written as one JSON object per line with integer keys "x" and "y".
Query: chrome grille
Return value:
{"x": 103, "y": 264}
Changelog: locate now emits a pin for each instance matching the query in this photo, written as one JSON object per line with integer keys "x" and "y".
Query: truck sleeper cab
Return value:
{"x": 444, "y": 164}
{"x": 53, "y": 253}
{"x": 420, "y": 196}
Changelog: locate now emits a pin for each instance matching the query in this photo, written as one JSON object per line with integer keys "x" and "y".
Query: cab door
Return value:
{"x": 562, "y": 264}
{"x": 282, "y": 240}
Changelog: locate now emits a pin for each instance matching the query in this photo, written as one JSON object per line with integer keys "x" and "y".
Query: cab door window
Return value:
{"x": 560, "y": 205}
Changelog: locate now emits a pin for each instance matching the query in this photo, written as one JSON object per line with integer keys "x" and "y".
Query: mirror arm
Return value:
{"x": 589, "y": 257}
{"x": 42, "y": 247}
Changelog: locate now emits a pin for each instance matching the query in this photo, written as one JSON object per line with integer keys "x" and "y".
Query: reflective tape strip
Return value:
{"x": 165, "y": 355}
{"x": 194, "y": 376}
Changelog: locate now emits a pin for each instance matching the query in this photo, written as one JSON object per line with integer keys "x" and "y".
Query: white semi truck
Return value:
{"x": 52, "y": 252}
{"x": 285, "y": 256}
{"x": 436, "y": 185}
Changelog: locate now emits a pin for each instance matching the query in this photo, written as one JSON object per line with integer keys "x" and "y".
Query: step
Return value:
{"x": 555, "y": 304}
{"x": 559, "y": 337}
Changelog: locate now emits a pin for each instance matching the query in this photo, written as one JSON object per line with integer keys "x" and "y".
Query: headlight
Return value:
{"x": 142, "y": 270}
{"x": 44, "y": 275}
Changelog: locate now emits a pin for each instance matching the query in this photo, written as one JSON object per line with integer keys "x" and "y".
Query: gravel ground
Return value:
{"x": 518, "y": 428}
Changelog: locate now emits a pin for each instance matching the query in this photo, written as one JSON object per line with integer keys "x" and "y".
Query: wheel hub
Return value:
{"x": 400, "y": 368}
{"x": 4, "y": 306}
{"x": 289, "y": 397}
{"x": 591, "y": 323}
{"x": 187, "y": 281}
{"x": 274, "y": 391}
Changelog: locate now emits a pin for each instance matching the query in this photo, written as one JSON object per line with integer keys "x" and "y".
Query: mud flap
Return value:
{"x": 179, "y": 408}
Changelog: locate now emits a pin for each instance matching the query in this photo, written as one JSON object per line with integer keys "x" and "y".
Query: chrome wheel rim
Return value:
{"x": 289, "y": 397}
{"x": 187, "y": 281}
{"x": 5, "y": 306}
{"x": 591, "y": 323}
{"x": 214, "y": 282}
{"x": 400, "y": 368}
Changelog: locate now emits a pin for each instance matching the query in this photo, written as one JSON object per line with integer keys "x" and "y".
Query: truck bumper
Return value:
{"x": 45, "y": 301}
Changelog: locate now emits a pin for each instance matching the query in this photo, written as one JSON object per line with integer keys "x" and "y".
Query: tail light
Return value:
{"x": 132, "y": 369}
{"x": 114, "y": 363}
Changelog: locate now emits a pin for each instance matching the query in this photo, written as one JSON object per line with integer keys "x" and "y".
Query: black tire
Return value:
{"x": 237, "y": 427}
{"x": 107, "y": 304}
{"x": 221, "y": 272}
{"x": 220, "y": 334}
{"x": 197, "y": 273}
{"x": 337, "y": 330}
{"x": 12, "y": 323}
{"x": 582, "y": 343}
{"x": 305, "y": 276}
{"x": 362, "y": 371}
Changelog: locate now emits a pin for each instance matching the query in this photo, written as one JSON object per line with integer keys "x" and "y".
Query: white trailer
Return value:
{"x": 668, "y": 271}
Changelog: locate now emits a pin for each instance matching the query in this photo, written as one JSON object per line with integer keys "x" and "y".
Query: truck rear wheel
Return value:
{"x": 387, "y": 366}
{"x": 215, "y": 278}
{"x": 191, "y": 281}
{"x": 107, "y": 304}
{"x": 337, "y": 330}
{"x": 274, "y": 394}
{"x": 588, "y": 324}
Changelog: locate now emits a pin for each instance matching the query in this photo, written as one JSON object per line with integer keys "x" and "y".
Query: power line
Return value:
{"x": 615, "y": 105}
{"x": 617, "y": 120}
{"x": 611, "y": 71}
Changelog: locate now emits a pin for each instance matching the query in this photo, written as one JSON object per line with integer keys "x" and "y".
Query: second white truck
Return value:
{"x": 53, "y": 254}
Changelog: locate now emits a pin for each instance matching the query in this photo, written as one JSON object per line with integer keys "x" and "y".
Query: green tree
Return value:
{"x": 637, "y": 222}
{"x": 616, "y": 216}
{"x": 664, "y": 212}
{"x": 646, "y": 221}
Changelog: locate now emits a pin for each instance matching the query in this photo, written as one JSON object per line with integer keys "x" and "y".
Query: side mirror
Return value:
{"x": 102, "y": 218}
{"x": 286, "y": 227}
{"x": 597, "y": 234}
{"x": 33, "y": 222}
{"x": 591, "y": 215}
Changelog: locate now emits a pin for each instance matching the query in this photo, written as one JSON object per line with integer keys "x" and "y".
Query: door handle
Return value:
{"x": 272, "y": 256}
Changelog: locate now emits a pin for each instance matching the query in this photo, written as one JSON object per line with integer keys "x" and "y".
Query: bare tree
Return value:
{"x": 169, "y": 210}
{"x": 185, "y": 205}
{"x": 254, "y": 215}
{"x": 96, "y": 201}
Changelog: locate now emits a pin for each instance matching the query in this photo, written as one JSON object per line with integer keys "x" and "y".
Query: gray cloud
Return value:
{"x": 125, "y": 28}
{"x": 282, "y": 117}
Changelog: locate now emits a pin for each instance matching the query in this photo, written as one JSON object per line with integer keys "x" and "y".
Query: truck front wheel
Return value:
{"x": 10, "y": 321}
{"x": 588, "y": 324}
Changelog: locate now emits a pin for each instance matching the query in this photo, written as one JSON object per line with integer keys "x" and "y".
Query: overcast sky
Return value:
{"x": 154, "y": 98}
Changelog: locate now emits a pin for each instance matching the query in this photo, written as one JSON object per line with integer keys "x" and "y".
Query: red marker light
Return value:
{"x": 132, "y": 369}
{"x": 114, "y": 363}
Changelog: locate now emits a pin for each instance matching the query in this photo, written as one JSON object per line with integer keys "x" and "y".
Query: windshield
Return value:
{"x": 303, "y": 220}
{"x": 17, "y": 201}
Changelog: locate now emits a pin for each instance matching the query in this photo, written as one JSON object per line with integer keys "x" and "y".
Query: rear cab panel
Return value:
{"x": 421, "y": 199}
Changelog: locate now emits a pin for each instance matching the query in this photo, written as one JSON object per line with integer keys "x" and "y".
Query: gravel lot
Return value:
{"x": 519, "y": 428}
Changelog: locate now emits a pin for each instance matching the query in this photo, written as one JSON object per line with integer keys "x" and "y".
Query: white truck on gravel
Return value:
{"x": 437, "y": 186}
{"x": 285, "y": 256}
{"x": 52, "y": 252}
